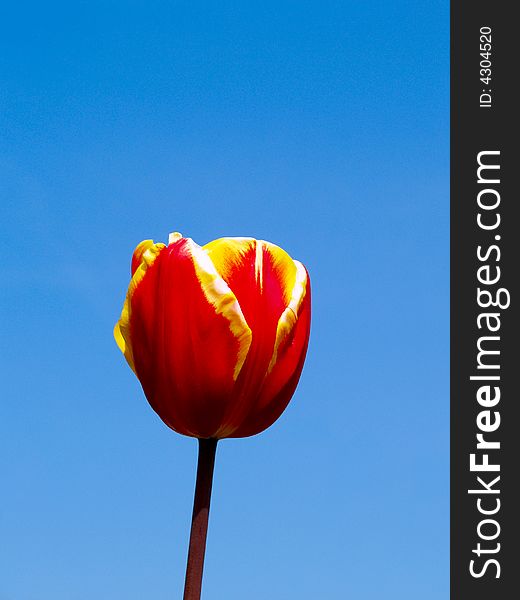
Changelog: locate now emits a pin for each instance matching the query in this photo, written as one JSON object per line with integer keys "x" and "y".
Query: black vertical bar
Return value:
{"x": 484, "y": 119}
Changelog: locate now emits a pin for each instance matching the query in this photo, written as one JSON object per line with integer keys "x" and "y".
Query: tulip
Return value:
{"x": 217, "y": 336}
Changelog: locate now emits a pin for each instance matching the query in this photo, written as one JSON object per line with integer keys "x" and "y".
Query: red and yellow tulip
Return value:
{"x": 217, "y": 334}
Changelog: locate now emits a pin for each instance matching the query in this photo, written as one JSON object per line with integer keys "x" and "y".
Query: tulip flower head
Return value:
{"x": 217, "y": 334}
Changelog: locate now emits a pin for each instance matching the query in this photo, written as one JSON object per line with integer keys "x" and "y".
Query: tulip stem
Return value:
{"x": 199, "y": 520}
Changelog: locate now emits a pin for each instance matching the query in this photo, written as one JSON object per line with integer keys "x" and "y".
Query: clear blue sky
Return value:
{"x": 320, "y": 126}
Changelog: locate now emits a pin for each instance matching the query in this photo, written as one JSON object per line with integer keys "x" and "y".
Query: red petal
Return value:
{"x": 262, "y": 277}
{"x": 185, "y": 353}
{"x": 280, "y": 383}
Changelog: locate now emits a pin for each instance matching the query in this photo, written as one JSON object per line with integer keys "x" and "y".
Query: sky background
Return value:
{"x": 320, "y": 126}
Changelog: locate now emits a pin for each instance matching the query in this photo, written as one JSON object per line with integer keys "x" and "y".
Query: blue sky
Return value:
{"x": 320, "y": 126}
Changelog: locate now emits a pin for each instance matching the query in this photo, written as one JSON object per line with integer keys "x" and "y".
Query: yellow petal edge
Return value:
{"x": 290, "y": 315}
{"x": 149, "y": 252}
{"x": 223, "y": 300}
